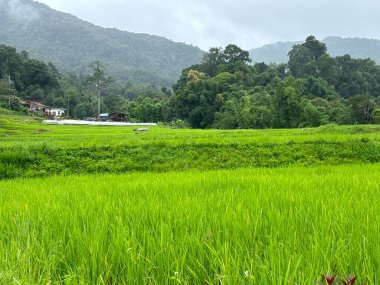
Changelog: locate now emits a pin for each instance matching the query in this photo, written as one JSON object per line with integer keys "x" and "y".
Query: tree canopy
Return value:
{"x": 312, "y": 89}
{"x": 223, "y": 91}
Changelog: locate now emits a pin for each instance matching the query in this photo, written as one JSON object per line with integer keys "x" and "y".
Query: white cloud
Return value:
{"x": 19, "y": 10}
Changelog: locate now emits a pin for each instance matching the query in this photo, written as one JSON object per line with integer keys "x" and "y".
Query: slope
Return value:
{"x": 336, "y": 46}
{"x": 72, "y": 44}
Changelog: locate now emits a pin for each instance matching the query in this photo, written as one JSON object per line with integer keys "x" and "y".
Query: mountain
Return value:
{"x": 336, "y": 46}
{"x": 272, "y": 53}
{"x": 72, "y": 44}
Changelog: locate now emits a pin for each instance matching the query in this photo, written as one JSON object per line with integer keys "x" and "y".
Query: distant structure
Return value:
{"x": 114, "y": 116}
{"x": 41, "y": 109}
{"x": 119, "y": 117}
{"x": 103, "y": 117}
{"x": 56, "y": 112}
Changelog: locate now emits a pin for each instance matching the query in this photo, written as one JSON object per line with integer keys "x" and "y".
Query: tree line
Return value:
{"x": 312, "y": 89}
{"x": 223, "y": 91}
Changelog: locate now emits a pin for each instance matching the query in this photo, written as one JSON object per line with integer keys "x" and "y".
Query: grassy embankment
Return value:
{"x": 32, "y": 149}
{"x": 282, "y": 226}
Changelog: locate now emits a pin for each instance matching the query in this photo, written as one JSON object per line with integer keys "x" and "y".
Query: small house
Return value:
{"x": 55, "y": 112}
{"x": 39, "y": 108}
{"x": 35, "y": 107}
{"x": 103, "y": 117}
{"x": 118, "y": 116}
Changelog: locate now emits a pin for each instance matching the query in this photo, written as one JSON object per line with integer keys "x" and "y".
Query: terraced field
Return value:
{"x": 111, "y": 206}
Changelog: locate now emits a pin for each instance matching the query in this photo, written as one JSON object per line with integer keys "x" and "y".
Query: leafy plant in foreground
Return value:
{"x": 334, "y": 279}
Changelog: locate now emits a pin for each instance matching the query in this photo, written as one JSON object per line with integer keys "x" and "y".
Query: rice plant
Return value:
{"x": 243, "y": 226}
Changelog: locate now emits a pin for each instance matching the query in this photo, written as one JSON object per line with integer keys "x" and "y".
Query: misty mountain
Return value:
{"x": 72, "y": 44}
{"x": 336, "y": 46}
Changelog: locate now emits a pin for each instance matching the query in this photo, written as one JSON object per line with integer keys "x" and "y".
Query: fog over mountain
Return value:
{"x": 247, "y": 23}
{"x": 72, "y": 44}
{"x": 336, "y": 46}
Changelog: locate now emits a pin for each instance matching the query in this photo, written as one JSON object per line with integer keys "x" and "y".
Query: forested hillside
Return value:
{"x": 72, "y": 44}
{"x": 336, "y": 46}
{"x": 35, "y": 80}
{"x": 224, "y": 91}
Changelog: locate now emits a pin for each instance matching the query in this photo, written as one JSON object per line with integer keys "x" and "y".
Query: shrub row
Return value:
{"x": 45, "y": 160}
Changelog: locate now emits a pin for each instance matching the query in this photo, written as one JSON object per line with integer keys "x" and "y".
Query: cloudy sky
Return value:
{"x": 247, "y": 23}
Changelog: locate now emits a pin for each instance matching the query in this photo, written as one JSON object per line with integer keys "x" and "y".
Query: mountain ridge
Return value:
{"x": 72, "y": 44}
{"x": 336, "y": 46}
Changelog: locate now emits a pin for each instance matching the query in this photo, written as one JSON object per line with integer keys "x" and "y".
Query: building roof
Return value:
{"x": 54, "y": 108}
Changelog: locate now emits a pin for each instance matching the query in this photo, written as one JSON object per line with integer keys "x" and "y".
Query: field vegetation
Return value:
{"x": 109, "y": 205}
{"x": 29, "y": 148}
{"x": 289, "y": 204}
{"x": 257, "y": 226}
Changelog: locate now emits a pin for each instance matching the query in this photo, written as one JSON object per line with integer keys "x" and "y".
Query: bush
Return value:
{"x": 179, "y": 124}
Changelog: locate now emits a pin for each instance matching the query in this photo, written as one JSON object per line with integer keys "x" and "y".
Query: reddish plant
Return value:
{"x": 333, "y": 279}
{"x": 329, "y": 278}
{"x": 349, "y": 280}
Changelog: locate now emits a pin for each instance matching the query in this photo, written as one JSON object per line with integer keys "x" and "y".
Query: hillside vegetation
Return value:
{"x": 72, "y": 44}
{"x": 224, "y": 91}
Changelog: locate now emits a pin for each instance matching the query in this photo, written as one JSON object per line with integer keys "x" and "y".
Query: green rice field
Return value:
{"x": 101, "y": 205}
{"x": 282, "y": 226}
{"x": 31, "y": 149}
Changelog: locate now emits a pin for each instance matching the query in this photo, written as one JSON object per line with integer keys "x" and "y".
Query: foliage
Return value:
{"x": 36, "y": 81}
{"x": 243, "y": 226}
{"x": 28, "y": 148}
{"x": 190, "y": 225}
{"x": 223, "y": 91}
{"x": 313, "y": 89}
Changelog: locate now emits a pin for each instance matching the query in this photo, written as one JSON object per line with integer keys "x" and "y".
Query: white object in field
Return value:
{"x": 141, "y": 130}
{"x": 94, "y": 123}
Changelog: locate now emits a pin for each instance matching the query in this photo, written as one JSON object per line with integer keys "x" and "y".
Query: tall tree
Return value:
{"x": 211, "y": 60}
{"x": 232, "y": 53}
{"x": 304, "y": 58}
{"x": 316, "y": 47}
{"x": 99, "y": 79}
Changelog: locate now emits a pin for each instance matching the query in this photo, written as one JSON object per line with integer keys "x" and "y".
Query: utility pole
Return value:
{"x": 68, "y": 105}
{"x": 99, "y": 79}
{"x": 9, "y": 91}
{"x": 98, "y": 91}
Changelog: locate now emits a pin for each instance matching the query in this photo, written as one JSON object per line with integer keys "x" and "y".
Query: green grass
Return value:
{"x": 186, "y": 206}
{"x": 29, "y": 148}
{"x": 283, "y": 226}
{"x": 16, "y": 130}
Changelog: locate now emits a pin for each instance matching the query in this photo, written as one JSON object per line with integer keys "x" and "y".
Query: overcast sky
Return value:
{"x": 247, "y": 23}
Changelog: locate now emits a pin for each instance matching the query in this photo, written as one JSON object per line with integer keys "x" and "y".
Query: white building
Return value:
{"x": 56, "y": 112}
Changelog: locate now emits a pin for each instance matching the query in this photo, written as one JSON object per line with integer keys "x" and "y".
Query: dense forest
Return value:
{"x": 223, "y": 91}
{"x": 312, "y": 89}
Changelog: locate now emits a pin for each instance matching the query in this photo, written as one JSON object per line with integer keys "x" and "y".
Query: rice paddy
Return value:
{"x": 212, "y": 222}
